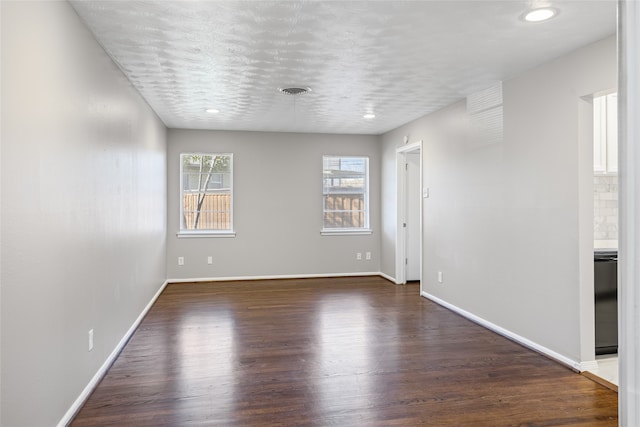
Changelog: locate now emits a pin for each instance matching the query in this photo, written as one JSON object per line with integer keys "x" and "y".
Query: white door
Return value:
{"x": 412, "y": 219}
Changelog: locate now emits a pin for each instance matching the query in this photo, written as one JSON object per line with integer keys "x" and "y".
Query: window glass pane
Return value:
{"x": 206, "y": 192}
{"x": 345, "y": 192}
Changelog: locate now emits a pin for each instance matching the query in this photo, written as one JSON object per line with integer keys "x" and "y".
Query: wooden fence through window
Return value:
{"x": 344, "y": 211}
{"x": 341, "y": 211}
{"x": 215, "y": 212}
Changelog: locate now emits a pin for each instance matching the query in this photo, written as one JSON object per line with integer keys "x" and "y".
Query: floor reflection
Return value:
{"x": 205, "y": 350}
{"x": 344, "y": 356}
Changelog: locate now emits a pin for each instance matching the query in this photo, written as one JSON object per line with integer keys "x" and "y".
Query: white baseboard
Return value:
{"x": 280, "y": 276}
{"x": 576, "y": 366}
{"x": 389, "y": 278}
{"x": 71, "y": 412}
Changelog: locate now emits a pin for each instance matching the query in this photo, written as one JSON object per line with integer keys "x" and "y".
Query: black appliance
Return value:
{"x": 606, "y": 301}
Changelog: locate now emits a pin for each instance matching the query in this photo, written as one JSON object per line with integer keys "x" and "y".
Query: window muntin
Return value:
{"x": 206, "y": 190}
{"x": 345, "y": 193}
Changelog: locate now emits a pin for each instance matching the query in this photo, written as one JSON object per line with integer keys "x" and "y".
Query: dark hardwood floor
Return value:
{"x": 331, "y": 352}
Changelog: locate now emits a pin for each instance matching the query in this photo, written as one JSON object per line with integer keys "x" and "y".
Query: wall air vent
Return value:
{"x": 294, "y": 90}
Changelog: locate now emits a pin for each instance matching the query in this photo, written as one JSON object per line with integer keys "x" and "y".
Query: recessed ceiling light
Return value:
{"x": 212, "y": 110}
{"x": 369, "y": 116}
{"x": 542, "y": 14}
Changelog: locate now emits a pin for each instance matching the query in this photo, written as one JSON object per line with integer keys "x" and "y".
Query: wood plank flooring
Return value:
{"x": 331, "y": 352}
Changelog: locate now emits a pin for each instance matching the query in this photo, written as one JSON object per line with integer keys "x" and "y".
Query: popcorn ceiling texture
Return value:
{"x": 400, "y": 60}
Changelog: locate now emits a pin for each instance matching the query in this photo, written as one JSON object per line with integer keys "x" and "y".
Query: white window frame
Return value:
{"x": 185, "y": 233}
{"x": 348, "y": 230}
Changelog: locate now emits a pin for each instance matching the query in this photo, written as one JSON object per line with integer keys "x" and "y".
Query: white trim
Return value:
{"x": 389, "y": 278}
{"x": 204, "y": 233}
{"x": 400, "y": 228}
{"x": 346, "y": 231}
{"x": 585, "y": 234}
{"x": 84, "y": 395}
{"x": 576, "y": 366}
{"x": 410, "y": 147}
{"x": 277, "y": 276}
{"x": 401, "y": 207}
{"x": 629, "y": 211}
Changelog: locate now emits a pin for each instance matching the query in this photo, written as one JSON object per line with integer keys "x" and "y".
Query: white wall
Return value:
{"x": 629, "y": 253}
{"x": 83, "y": 209}
{"x": 0, "y": 218}
{"x": 502, "y": 221}
{"x": 272, "y": 171}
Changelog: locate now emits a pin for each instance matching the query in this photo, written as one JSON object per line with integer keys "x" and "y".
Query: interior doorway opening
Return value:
{"x": 409, "y": 213}
{"x": 598, "y": 243}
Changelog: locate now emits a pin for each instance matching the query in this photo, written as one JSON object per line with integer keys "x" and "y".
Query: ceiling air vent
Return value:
{"x": 294, "y": 90}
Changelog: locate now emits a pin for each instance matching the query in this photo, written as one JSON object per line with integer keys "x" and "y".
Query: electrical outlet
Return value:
{"x": 180, "y": 260}
{"x": 209, "y": 260}
{"x": 439, "y": 276}
{"x": 90, "y": 339}
{"x": 367, "y": 256}
{"x": 359, "y": 256}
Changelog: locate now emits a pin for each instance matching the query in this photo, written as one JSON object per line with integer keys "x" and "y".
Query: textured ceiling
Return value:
{"x": 398, "y": 59}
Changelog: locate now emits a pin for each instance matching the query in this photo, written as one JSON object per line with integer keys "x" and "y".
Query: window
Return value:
{"x": 345, "y": 195}
{"x": 206, "y": 202}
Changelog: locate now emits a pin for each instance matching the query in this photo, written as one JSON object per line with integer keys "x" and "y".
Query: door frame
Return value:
{"x": 401, "y": 209}
{"x": 629, "y": 209}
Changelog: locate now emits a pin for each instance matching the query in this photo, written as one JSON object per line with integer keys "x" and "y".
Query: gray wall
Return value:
{"x": 87, "y": 178}
{"x": 83, "y": 209}
{"x": 502, "y": 221}
{"x": 272, "y": 170}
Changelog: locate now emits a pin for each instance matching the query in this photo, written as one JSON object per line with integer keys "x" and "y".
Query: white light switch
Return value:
{"x": 425, "y": 192}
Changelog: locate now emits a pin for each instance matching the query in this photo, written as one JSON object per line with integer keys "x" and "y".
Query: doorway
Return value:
{"x": 598, "y": 243}
{"x": 409, "y": 213}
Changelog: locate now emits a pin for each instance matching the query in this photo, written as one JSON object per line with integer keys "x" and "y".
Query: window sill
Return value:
{"x": 204, "y": 233}
{"x": 345, "y": 232}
